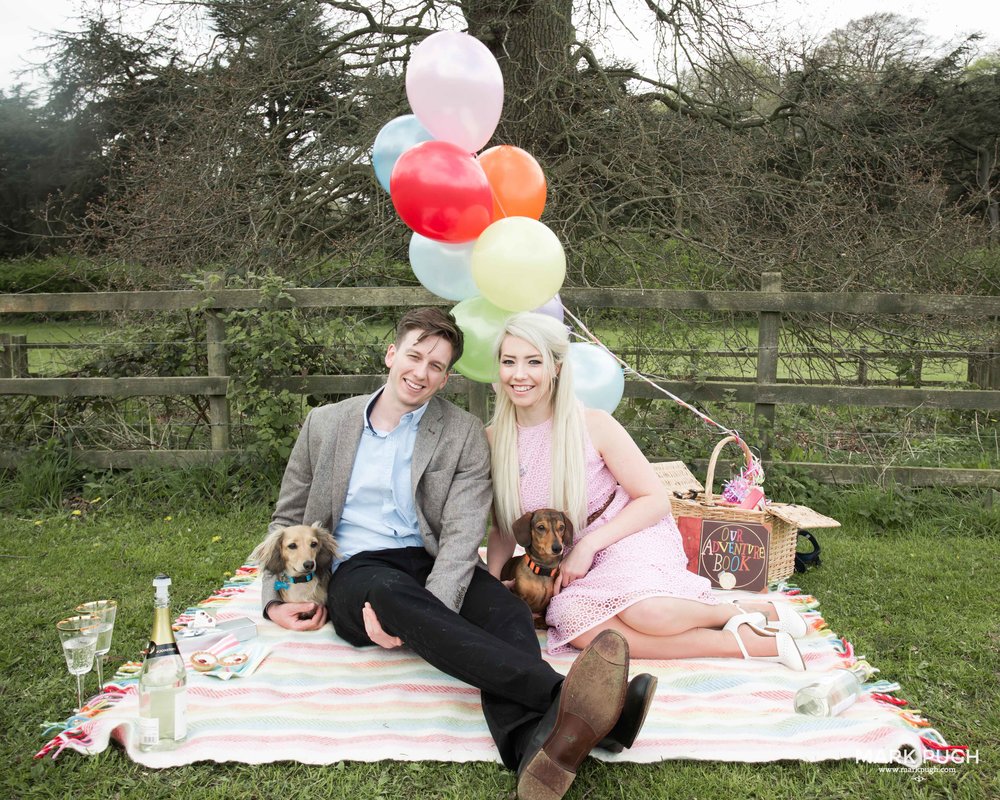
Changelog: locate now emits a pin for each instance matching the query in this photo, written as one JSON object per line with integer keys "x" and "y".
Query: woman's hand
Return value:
{"x": 576, "y": 565}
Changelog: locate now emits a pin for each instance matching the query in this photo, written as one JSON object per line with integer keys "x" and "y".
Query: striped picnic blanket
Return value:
{"x": 314, "y": 699}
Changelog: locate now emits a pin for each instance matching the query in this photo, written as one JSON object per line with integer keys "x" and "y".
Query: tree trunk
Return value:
{"x": 531, "y": 40}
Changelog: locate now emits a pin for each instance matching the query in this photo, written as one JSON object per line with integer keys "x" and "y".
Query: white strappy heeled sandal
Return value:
{"x": 788, "y": 652}
{"x": 789, "y": 620}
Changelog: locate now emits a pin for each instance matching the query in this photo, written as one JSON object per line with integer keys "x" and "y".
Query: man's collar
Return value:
{"x": 413, "y": 417}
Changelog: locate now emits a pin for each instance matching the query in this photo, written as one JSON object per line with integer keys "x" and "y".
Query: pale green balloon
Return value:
{"x": 481, "y": 323}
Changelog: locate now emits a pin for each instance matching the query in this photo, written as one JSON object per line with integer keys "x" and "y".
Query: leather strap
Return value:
{"x": 601, "y": 510}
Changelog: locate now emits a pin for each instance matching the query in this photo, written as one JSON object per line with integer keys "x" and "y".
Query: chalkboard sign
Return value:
{"x": 733, "y": 555}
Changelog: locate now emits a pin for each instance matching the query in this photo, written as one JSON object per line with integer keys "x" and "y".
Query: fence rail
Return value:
{"x": 765, "y": 392}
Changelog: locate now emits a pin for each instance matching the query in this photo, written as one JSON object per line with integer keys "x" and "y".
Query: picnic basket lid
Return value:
{"x": 801, "y": 517}
{"x": 677, "y": 477}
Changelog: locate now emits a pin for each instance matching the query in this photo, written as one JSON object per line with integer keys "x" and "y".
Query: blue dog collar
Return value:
{"x": 284, "y": 582}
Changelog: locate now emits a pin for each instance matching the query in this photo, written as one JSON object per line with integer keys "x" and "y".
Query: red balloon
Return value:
{"x": 441, "y": 192}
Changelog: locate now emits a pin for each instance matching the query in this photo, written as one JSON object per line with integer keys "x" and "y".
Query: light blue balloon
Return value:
{"x": 443, "y": 268}
{"x": 396, "y": 137}
{"x": 598, "y": 379}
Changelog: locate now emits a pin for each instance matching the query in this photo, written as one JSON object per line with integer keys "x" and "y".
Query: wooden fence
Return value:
{"x": 765, "y": 392}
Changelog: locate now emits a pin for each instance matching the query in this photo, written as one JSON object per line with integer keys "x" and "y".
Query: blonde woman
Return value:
{"x": 626, "y": 569}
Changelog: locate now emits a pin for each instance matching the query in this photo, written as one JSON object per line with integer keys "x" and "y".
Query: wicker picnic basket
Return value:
{"x": 688, "y": 498}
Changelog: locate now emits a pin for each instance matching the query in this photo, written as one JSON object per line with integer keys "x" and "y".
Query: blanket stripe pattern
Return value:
{"x": 315, "y": 699}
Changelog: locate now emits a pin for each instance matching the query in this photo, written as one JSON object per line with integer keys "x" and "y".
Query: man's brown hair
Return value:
{"x": 431, "y": 321}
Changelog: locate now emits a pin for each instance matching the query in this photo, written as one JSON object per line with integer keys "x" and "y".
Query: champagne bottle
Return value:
{"x": 163, "y": 681}
{"x": 833, "y": 695}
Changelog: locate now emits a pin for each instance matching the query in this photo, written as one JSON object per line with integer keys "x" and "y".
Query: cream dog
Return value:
{"x": 299, "y": 557}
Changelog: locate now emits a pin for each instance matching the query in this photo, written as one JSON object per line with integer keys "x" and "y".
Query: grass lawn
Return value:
{"x": 913, "y": 597}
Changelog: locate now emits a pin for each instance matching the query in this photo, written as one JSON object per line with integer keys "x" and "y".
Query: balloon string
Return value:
{"x": 754, "y": 468}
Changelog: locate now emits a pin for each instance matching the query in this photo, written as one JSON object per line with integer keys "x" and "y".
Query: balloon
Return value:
{"x": 481, "y": 323}
{"x": 396, "y": 137}
{"x": 598, "y": 379}
{"x": 455, "y": 88}
{"x": 517, "y": 182}
{"x": 553, "y": 308}
{"x": 441, "y": 192}
{"x": 518, "y": 263}
{"x": 442, "y": 268}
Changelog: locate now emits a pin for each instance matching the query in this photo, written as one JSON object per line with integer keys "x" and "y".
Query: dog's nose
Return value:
{"x": 556, "y": 547}
{"x": 309, "y": 565}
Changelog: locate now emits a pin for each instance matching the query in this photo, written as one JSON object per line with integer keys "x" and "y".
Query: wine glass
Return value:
{"x": 105, "y": 610}
{"x": 79, "y": 641}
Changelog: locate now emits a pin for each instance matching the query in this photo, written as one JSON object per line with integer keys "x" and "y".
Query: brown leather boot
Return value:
{"x": 589, "y": 704}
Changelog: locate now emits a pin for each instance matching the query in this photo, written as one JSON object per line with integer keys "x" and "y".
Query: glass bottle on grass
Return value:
{"x": 163, "y": 681}
{"x": 832, "y": 695}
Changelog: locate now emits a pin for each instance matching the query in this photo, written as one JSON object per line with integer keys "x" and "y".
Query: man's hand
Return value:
{"x": 298, "y": 616}
{"x": 374, "y": 630}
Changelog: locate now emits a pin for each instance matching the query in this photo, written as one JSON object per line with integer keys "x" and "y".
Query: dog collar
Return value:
{"x": 545, "y": 572}
{"x": 284, "y": 582}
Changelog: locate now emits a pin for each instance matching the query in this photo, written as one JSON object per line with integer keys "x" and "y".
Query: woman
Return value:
{"x": 626, "y": 569}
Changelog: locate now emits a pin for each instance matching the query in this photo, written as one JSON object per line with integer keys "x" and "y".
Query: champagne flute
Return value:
{"x": 105, "y": 610}
{"x": 79, "y": 641}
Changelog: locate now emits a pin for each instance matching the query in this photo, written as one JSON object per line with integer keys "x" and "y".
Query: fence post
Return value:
{"x": 984, "y": 365}
{"x": 218, "y": 366}
{"x": 6, "y": 356}
{"x": 478, "y": 401}
{"x": 769, "y": 326}
{"x": 19, "y": 355}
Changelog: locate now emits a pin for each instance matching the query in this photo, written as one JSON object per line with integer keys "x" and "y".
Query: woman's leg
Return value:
{"x": 691, "y": 643}
{"x": 669, "y": 616}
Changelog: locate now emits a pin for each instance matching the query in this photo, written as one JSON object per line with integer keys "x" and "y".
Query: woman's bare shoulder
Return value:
{"x": 601, "y": 426}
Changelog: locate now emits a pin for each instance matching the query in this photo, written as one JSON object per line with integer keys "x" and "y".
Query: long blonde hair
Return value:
{"x": 568, "y": 482}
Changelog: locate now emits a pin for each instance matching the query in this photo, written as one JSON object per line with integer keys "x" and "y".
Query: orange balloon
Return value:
{"x": 517, "y": 182}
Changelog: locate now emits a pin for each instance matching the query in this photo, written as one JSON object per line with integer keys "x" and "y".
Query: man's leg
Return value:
{"x": 491, "y": 645}
{"x": 491, "y": 606}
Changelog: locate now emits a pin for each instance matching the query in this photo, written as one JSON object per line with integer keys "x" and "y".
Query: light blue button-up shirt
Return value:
{"x": 379, "y": 513}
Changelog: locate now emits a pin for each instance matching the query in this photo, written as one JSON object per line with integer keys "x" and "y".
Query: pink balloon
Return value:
{"x": 455, "y": 88}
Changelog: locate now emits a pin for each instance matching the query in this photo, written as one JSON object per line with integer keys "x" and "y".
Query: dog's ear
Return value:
{"x": 569, "y": 530}
{"x": 268, "y": 553}
{"x": 522, "y": 529}
{"x": 327, "y": 549}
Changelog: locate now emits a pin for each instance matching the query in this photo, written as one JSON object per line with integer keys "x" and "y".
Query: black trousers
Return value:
{"x": 490, "y": 644}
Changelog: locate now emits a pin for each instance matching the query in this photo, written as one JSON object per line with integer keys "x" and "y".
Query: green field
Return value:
{"x": 911, "y": 595}
{"x": 52, "y": 361}
{"x": 645, "y": 354}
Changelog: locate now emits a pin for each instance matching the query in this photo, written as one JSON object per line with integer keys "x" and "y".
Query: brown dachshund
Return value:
{"x": 543, "y": 534}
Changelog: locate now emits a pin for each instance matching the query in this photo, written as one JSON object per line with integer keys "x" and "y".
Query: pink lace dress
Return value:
{"x": 647, "y": 563}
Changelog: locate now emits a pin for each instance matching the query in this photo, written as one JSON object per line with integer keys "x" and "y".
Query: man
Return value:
{"x": 402, "y": 478}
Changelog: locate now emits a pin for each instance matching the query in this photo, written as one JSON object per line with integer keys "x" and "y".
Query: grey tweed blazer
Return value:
{"x": 450, "y": 477}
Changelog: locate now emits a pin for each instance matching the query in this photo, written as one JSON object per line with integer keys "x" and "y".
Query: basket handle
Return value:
{"x": 709, "y": 499}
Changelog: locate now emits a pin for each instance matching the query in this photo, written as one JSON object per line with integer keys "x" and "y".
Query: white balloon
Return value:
{"x": 598, "y": 379}
{"x": 443, "y": 268}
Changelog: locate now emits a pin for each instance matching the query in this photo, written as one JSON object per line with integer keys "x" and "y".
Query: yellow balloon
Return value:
{"x": 518, "y": 263}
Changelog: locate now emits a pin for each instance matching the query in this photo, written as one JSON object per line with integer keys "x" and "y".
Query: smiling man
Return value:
{"x": 402, "y": 478}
